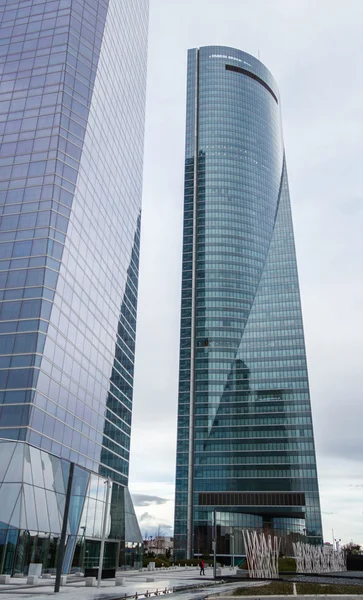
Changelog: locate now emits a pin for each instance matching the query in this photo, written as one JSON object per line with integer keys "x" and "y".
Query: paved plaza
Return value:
{"x": 180, "y": 582}
{"x": 186, "y": 581}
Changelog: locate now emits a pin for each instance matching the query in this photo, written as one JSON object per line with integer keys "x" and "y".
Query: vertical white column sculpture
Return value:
{"x": 318, "y": 559}
{"x": 262, "y": 554}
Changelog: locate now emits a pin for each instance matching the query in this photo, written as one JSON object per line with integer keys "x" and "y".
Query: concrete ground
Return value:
{"x": 182, "y": 583}
{"x": 185, "y": 581}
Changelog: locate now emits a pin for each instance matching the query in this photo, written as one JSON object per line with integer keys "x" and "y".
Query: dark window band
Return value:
{"x": 251, "y": 499}
{"x": 253, "y": 76}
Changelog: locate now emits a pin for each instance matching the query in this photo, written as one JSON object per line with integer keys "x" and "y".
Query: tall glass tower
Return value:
{"x": 245, "y": 450}
{"x": 72, "y": 99}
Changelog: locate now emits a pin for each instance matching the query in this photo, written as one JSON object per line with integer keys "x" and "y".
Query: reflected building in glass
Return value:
{"x": 245, "y": 437}
{"x": 72, "y": 103}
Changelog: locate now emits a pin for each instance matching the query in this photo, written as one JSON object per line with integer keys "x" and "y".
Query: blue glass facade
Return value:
{"x": 245, "y": 437}
{"x": 72, "y": 100}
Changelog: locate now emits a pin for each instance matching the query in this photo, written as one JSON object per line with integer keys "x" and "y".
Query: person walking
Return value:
{"x": 201, "y": 566}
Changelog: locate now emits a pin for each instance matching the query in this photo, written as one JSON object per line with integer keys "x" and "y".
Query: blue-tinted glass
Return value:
{"x": 70, "y": 199}
{"x": 245, "y": 437}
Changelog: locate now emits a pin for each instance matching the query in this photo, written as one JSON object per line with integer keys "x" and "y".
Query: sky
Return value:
{"x": 314, "y": 49}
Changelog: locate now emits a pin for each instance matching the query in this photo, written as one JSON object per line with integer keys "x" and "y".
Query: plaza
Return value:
{"x": 163, "y": 581}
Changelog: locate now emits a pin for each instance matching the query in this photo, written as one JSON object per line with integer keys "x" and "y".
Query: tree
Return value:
{"x": 352, "y": 548}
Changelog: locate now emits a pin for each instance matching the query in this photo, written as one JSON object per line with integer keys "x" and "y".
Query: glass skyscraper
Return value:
{"x": 245, "y": 449}
{"x": 72, "y": 100}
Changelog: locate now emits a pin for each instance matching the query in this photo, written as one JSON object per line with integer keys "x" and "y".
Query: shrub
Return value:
{"x": 160, "y": 561}
{"x": 287, "y": 564}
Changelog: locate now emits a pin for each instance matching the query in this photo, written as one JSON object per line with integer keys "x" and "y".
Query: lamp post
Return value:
{"x": 83, "y": 542}
{"x": 62, "y": 541}
{"x": 232, "y": 547}
{"x": 105, "y": 519}
{"x": 214, "y": 545}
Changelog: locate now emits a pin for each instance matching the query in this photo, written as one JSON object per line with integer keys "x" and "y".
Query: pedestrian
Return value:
{"x": 201, "y": 566}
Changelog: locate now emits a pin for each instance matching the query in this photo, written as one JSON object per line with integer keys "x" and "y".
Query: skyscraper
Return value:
{"x": 72, "y": 100}
{"x": 245, "y": 444}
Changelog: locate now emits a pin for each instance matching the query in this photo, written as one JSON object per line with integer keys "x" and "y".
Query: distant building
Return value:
{"x": 245, "y": 436}
{"x": 159, "y": 545}
{"x": 72, "y": 104}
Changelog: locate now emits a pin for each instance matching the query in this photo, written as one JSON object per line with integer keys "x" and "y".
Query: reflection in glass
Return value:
{"x": 70, "y": 198}
{"x": 245, "y": 435}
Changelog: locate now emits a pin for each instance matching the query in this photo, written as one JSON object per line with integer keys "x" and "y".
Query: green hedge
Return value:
{"x": 287, "y": 564}
{"x": 159, "y": 561}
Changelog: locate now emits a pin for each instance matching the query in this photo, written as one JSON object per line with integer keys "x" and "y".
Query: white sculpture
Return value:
{"x": 318, "y": 559}
{"x": 262, "y": 554}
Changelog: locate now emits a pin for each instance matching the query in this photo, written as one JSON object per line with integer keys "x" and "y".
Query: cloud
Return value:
{"x": 153, "y": 525}
{"x": 146, "y": 517}
{"x": 145, "y": 500}
{"x": 321, "y": 98}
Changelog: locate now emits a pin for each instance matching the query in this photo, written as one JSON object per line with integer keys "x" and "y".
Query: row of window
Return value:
{"x": 247, "y": 396}
{"x": 239, "y": 364}
{"x": 268, "y": 432}
{"x": 223, "y": 410}
{"x": 237, "y": 375}
{"x": 253, "y": 460}
{"x": 211, "y": 353}
{"x": 273, "y": 484}
{"x": 216, "y": 125}
{"x": 281, "y": 342}
{"x": 261, "y": 316}
{"x": 227, "y": 446}
{"x": 215, "y": 473}
{"x": 208, "y": 216}
{"x": 219, "y": 421}
{"x": 252, "y": 499}
{"x": 36, "y": 193}
{"x": 285, "y": 297}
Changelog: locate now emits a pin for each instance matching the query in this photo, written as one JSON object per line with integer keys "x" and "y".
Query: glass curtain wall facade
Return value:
{"x": 72, "y": 103}
{"x": 245, "y": 444}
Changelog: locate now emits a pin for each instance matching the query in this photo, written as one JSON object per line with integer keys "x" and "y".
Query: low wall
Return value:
{"x": 354, "y": 562}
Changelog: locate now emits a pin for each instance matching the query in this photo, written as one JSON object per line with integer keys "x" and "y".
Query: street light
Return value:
{"x": 232, "y": 545}
{"x": 214, "y": 543}
{"x": 104, "y": 525}
{"x": 83, "y": 547}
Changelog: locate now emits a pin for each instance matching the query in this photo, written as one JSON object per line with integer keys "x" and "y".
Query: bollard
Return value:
{"x": 120, "y": 581}
{"x": 90, "y": 581}
{"x": 63, "y": 579}
{"x": 32, "y": 580}
{"x": 4, "y": 578}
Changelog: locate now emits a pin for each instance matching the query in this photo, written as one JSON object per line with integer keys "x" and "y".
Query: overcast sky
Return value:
{"x": 314, "y": 49}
